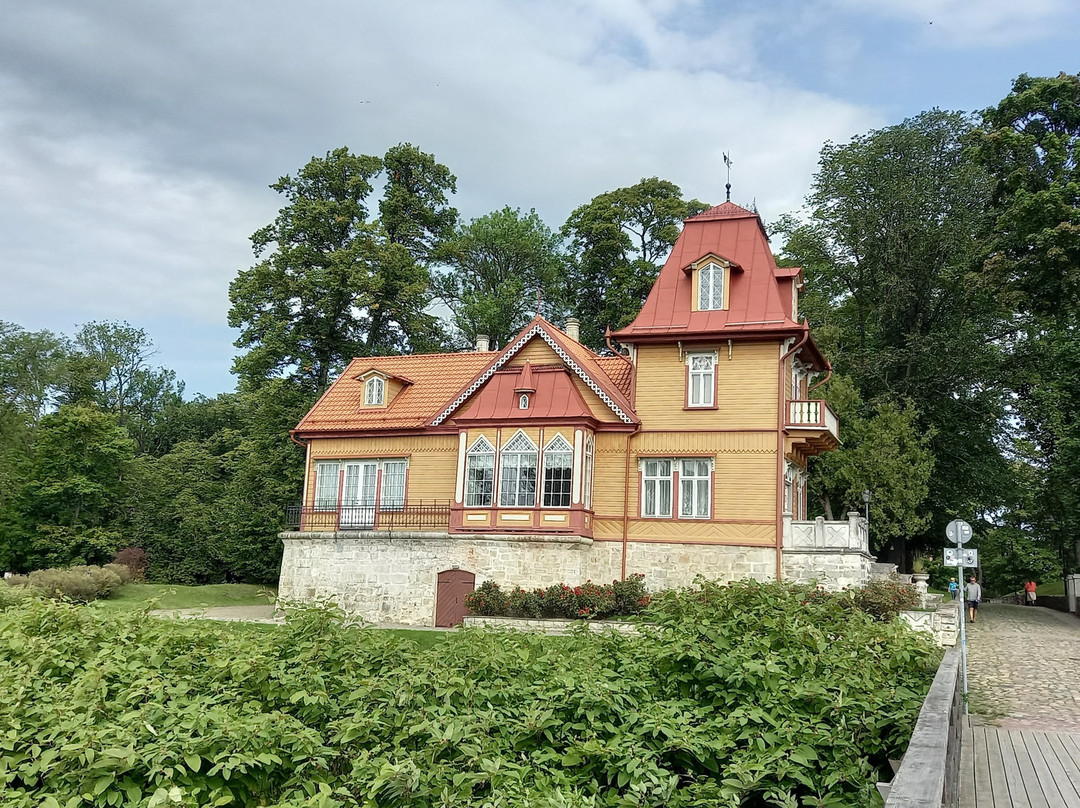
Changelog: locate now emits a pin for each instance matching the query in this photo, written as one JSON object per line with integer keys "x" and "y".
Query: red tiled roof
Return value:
{"x": 620, "y": 371}
{"x": 574, "y": 351}
{"x": 434, "y": 377}
{"x": 555, "y": 396}
{"x": 754, "y": 302}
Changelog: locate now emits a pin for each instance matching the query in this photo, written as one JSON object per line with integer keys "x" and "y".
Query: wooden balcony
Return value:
{"x": 812, "y": 428}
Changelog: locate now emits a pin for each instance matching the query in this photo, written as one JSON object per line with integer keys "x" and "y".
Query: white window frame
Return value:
{"x": 696, "y": 483}
{"x": 558, "y": 447}
{"x": 587, "y": 474}
{"x": 327, "y": 485}
{"x": 653, "y": 487}
{"x": 519, "y": 454}
{"x": 701, "y": 382}
{"x": 523, "y": 401}
{"x": 480, "y": 492}
{"x": 393, "y": 485}
{"x": 375, "y": 391}
{"x": 710, "y": 283}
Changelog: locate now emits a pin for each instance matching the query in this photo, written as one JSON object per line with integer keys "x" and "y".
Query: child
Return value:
{"x": 954, "y": 589}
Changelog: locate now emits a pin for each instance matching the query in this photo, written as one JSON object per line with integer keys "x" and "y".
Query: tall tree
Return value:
{"x": 889, "y": 251}
{"x": 615, "y": 243}
{"x": 1030, "y": 144}
{"x": 332, "y": 283}
{"x": 111, "y": 367}
{"x": 31, "y": 369}
{"x": 498, "y": 265}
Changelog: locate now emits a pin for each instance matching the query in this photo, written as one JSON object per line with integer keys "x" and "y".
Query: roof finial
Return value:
{"x": 727, "y": 162}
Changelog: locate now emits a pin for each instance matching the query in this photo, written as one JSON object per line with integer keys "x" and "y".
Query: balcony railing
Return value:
{"x": 420, "y": 515}
{"x": 813, "y": 414}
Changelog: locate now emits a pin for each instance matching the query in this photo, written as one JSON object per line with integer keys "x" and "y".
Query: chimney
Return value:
{"x": 482, "y": 343}
{"x": 573, "y": 328}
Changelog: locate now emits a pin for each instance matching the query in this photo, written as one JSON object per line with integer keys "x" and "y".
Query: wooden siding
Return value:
{"x": 686, "y": 531}
{"x": 432, "y": 460}
{"x": 746, "y": 387}
{"x": 539, "y": 353}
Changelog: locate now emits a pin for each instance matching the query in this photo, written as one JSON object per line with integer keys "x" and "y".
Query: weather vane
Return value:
{"x": 727, "y": 162}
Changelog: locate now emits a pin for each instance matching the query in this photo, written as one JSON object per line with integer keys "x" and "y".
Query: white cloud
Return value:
{"x": 973, "y": 23}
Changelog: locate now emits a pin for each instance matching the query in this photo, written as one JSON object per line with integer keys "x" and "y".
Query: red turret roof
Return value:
{"x": 758, "y": 293}
{"x": 736, "y": 235}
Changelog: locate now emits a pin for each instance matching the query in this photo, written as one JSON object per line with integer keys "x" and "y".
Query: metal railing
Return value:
{"x": 414, "y": 516}
{"x": 813, "y": 413}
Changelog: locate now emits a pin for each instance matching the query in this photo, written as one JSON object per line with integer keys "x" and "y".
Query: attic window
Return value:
{"x": 375, "y": 392}
{"x": 711, "y": 288}
{"x": 523, "y": 402}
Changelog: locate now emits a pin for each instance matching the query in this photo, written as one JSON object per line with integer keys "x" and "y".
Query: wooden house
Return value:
{"x": 543, "y": 461}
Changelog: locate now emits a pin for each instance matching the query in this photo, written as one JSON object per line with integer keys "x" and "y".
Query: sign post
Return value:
{"x": 959, "y": 531}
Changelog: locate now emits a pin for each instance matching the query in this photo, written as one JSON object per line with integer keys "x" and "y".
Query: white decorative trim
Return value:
{"x": 510, "y": 353}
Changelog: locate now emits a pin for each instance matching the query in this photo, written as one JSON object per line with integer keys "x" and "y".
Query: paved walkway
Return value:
{"x": 1024, "y": 668}
{"x": 1022, "y": 746}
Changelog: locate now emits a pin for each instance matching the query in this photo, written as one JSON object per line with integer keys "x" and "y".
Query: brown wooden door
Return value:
{"x": 450, "y": 594}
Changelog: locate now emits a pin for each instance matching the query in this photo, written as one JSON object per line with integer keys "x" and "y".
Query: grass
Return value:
{"x": 1051, "y": 588}
{"x": 172, "y": 596}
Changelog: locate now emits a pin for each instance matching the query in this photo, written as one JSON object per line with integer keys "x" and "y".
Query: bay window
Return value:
{"x": 480, "y": 474}
{"x": 517, "y": 484}
{"x": 558, "y": 472}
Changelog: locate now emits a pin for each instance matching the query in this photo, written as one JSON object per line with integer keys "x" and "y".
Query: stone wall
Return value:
{"x": 943, "y": 624}
{"x": 551, "y": 625}
{"x": 833, "y": 554}
{"x": 391, "y": 578}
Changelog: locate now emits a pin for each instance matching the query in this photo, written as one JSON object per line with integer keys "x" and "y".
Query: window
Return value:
{"x": 656, "y": 488}
{"x": 393, "y": 486}
{"x": 695, "y": 488}
{"x": 374, "y": 391}
{"x": 710, "y": 288}
{"x": 517, "y": 485}
{"x": 702, "y": 379}
{"x": 479, "y": 474}
{"x": 590, "y": 444}
{"x": 326, "y": 486}
{"x": 523, "y": 402}
{"x": 558, "y": 472}
{"x": 789, "y": 490}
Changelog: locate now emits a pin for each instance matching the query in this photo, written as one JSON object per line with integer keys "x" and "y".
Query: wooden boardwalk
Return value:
{"x": 1002, "y": 768}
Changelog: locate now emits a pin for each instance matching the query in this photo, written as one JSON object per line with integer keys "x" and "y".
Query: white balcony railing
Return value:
{"x": 813, "y": 414}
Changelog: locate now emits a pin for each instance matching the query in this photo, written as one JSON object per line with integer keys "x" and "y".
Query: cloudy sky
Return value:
{"x": 138, "y": 137}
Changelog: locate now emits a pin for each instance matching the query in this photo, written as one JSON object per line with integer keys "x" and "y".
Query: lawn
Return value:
{"x": 132, "y": 597}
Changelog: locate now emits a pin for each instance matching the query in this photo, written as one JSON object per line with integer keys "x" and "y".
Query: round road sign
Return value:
{"x": 958, "y": 531}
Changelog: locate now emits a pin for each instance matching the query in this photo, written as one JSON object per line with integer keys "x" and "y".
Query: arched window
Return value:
{"x": 517, "y": 483}
{"x": 710, "y": 288}
{"x": 479, "y": 474}
{"x": 375, "y": 391}
{"x": 558, "y": 472}
{"x": 523, "y": 402}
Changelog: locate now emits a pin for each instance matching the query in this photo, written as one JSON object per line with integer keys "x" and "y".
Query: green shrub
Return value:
{"x": 742, "y": 696}
{"x": 522, "y": 603}
{"x": 487, "y": 599}
{"x": 81, "y": 584}
{"x": 13, "y": 595}
{"x": 588, "y": 601}
{"x": 884, "y": 599}
{"x": 121, "y": 571}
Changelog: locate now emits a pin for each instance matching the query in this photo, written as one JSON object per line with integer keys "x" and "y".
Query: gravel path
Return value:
{"x": 1024, "y": 668}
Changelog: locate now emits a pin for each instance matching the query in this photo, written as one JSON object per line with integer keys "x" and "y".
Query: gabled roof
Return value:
{"x": 554, "y": 396}
{"x": 434, "y": 378}
{"x": 754, "y": 301}
{"x": 579, "y": 359}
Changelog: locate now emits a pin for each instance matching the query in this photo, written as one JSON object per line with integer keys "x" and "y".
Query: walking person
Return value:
{"x": 974, "y": 595}
{"x": 954, "y": 589}
{"x": 1029, "y": 592}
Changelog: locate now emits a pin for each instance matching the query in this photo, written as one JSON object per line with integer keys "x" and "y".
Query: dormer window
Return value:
{"x": 711, "y": 288}
{"x": 523, "y": 401}
{"x": 375, "y": 391}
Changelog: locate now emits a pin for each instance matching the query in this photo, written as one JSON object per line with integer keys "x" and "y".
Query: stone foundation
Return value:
{"x": 551, "y": 625}
{"x": 391, "y": 577}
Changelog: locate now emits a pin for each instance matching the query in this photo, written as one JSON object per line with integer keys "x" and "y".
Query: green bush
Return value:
{"x": 884, "y": 599}
{"x": 81, "y": 584}
{"x": 586, "y": 601}
{"x": 13, "y": 595}
{"x": 741, "y": 696}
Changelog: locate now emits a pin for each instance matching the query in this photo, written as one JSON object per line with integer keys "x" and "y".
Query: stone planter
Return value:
{"x": 550, "y": 625}
{"x": 919, "y": 580}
